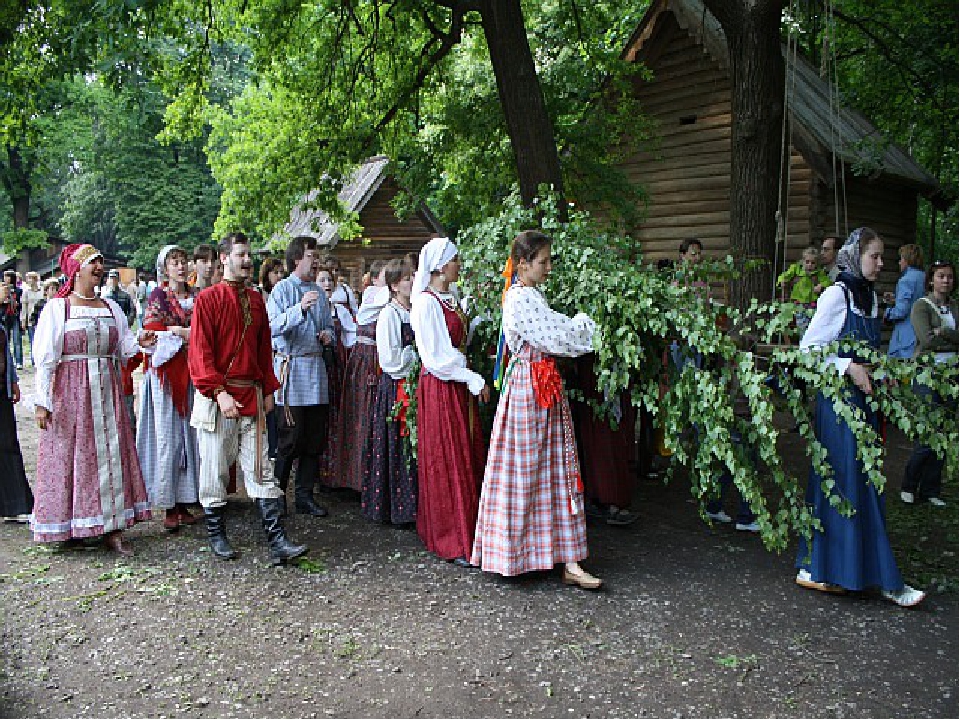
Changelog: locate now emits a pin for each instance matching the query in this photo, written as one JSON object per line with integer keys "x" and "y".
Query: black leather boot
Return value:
{"x": 281, "y": 471}
{"x": 281, "y": 549}
{"x": 218, "y": 534}
{"x": 306, "y": 478}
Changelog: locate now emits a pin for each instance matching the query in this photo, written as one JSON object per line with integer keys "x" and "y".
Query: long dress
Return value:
{"x": 389, "y": 493}
{"x": 88, "y": 475}
{"x": 166, "y": 443}
{"x": 16, "y": 497}
{"x": 353, "y": 432}
{"x": 449, "y": 445}
{"x": 531, "y": 508}
{"x": 852, "y": 552}
{"x": 606, "y": 453}
{"x": 335, "y": 374}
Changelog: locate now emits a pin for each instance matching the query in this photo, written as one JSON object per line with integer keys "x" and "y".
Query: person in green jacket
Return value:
{"x": 806, "y": 279}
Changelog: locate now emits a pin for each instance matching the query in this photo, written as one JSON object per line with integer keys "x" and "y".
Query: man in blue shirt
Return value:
{"x": 301, "y": 325}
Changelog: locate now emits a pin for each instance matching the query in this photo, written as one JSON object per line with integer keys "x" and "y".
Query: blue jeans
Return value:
{"x": 745, "y": 515}
{"x": 16, "y": 342}
{"x": 923, "y": 474}
{"x": 31, "y": 329}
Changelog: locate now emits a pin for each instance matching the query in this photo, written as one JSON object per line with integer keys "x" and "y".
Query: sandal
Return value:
{"x": 805, "y": 580}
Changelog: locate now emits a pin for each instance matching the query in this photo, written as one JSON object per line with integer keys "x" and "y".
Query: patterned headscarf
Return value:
{"x": 851, "y": 271}
{"x": 72, "y": 259}
{"x": 162, "y": 259}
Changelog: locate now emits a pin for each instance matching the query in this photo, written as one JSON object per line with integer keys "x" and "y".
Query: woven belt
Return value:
{"x": 284, "y": 376}
{"x": 261, "y": 420}
{"x": 364, "y": 340}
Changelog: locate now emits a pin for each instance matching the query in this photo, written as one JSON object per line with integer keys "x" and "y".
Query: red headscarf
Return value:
{"x": 72, "y": 258}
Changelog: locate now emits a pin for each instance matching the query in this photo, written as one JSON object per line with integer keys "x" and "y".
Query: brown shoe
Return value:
{"x": 114, "y": 542}
{"x": 804, "y": 580}
{"x": 186, "y": 517}
{"x": 171, "y": 520}
{"x": 581, "y": 579}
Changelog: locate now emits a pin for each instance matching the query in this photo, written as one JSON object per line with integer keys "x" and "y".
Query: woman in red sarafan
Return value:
{"x": 449, "y": 446}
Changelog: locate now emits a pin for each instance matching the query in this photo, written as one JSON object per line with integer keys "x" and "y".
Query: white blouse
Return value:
{"x": 343, "y": 294}
{"x": 374, "y": 300}
{"x": 48, "y": 341}
{"x": 395, "y": 358}
{"x": 437, "y": 353}
{"x": 828, "y": 321}
{"x": 528, "y": 319}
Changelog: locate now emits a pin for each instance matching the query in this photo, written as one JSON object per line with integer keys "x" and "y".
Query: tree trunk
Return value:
{"x": 521, "y": 97}
{"x": 16, "y": 182}
{"x": 752, "y": 29}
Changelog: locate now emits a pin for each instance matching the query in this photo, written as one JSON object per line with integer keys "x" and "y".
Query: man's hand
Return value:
{"x": 309, "y": 299}
{"x": 147, "y": 338}
{"x": 326, "y": 337}
{"x": 43, "y": 417}
{"x": 228, "y": 406}
{"x": 268, "y": 403}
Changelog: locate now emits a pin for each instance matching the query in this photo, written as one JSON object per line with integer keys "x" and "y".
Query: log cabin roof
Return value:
{"x": 815, "y": 129}
{"x": 354, "y": 196}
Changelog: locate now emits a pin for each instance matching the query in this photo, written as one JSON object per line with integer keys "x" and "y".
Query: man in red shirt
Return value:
{"x": 231, "y": 364}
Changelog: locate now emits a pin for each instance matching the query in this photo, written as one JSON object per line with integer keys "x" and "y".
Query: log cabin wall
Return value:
{"x": 887, "y": 207}
{"x": 387, "y": 237}
{"x": 686, "y": 173}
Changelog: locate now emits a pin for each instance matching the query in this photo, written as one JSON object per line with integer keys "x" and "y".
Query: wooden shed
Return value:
{"x": 369, "y": 193}
{"x": 686, "y": 169}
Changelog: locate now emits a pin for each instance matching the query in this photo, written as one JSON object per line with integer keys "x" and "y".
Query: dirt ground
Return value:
{"x": 695, "y": 621}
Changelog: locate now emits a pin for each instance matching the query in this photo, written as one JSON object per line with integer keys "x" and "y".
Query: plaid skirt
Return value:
{"x": 526, "y": 519}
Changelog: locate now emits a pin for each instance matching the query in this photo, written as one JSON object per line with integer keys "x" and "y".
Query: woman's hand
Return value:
{"x": 147, "y": 338}
{"x": 43, "y": 417}
{"x": 861, "y": 377}
{"x": 15, "y": 398}
{"x": 485, "y": 394}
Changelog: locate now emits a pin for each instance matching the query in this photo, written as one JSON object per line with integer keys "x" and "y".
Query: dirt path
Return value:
{"x": 696, "y": 622}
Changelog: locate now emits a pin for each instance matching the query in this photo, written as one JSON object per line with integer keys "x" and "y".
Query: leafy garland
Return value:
{"x": 640, "y": 311}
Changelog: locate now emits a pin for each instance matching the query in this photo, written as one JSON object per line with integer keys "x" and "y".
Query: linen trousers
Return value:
{"x": 234, "y": 441}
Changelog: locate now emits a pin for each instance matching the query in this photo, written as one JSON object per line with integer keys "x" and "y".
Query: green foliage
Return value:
{"x": 639, "y": 311}
{"x": 13, "y": 241}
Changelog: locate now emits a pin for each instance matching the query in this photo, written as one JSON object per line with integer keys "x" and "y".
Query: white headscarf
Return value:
{"x": 433, "y": 256}
{"x": 162, "y": 260}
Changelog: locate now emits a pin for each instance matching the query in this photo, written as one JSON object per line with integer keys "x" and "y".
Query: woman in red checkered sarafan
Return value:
{"x": 531, "y": 513}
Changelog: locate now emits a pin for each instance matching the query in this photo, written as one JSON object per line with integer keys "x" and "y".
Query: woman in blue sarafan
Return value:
{"x": 851, "y": 553}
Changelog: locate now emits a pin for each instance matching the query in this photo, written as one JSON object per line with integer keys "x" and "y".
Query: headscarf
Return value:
{"x": 851, "y": 272}
{"x": 162, "y": 259}
{"x": 433, "y": 256}
{"x": 72, "y": 259}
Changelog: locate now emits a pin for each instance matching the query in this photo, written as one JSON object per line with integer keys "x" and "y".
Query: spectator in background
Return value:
{"x": 934, "y": 319}
{"x": 828, "y": 256}
{"x": 32, "y": 294}
{"x": 113, "y": 291}
{"x": 271, "y": 272}
{"x": 11, "y": 318}
{"x": 16, "y": 499}
{"x": 805, "y": 279}
{"x": 909, "y": 290}
{"x": 205, "y": 263}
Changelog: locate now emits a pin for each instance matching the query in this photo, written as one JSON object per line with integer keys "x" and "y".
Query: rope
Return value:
{"x": 839, "y": 184}
{"x": 783, "y": 197}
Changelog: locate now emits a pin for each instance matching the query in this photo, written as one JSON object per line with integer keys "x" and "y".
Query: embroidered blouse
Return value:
{"x": 527, "y": 318}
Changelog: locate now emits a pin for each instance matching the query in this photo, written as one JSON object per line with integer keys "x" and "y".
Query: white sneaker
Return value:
{"x": 748, "y": 527}
{"x": 906, "y": 497}
{"x": 720, "y": 517}
{"x": 905, "y": 596}
{"x": 936, "y": 502}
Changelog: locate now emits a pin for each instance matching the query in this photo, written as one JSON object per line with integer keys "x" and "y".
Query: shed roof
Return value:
{"x": 354, "y": 196}
{"x": 816, "y": 129}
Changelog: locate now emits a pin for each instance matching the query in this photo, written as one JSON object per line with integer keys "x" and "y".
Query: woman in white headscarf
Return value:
{"x": 449, "y": 445}
{"x": 166, "y": 443}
